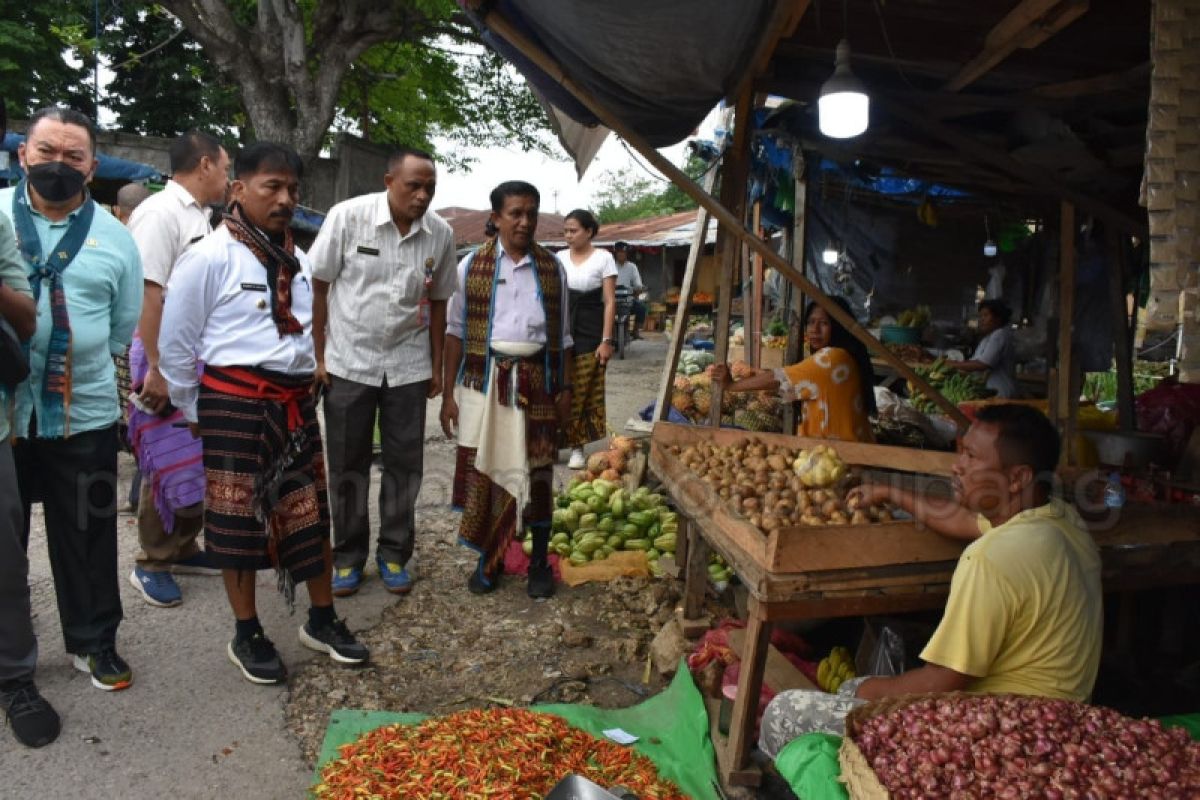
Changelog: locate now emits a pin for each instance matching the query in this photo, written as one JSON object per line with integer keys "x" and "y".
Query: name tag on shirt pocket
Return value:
{"x": 368, "y": 251}
{"x": 254, "y": 287}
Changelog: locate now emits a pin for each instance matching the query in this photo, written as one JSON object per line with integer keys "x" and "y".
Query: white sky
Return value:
{"x": 469, "y": 189}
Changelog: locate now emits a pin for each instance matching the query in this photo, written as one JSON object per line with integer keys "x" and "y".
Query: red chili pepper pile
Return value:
{"x": 499, "y": 754}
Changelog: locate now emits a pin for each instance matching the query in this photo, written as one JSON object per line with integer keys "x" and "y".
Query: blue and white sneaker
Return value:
{"x": 346, "y": 581}
{"x": 157, "y": 588}
{"x": 197, "y": 564}
{"x": 395, "y": 576}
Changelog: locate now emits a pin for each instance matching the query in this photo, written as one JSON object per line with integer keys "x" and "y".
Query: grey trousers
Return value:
{"x": 350, "y": 411}
{"x": 18, "y": 646}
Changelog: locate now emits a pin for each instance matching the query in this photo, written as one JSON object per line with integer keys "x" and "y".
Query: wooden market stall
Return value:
{"x": 1011, "y": 99}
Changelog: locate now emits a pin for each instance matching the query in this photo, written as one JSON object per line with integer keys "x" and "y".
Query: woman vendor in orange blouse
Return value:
{"x": 835, "y": 383}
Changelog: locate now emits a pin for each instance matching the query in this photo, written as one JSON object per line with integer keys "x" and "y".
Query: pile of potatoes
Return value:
{"x": 759, "y": 482}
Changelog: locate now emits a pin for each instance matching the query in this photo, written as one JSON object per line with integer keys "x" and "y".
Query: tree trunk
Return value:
{"x": 289, "y": 79}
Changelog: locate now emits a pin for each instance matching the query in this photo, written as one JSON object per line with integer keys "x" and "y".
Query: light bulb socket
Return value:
{"x": 989, "y": 248}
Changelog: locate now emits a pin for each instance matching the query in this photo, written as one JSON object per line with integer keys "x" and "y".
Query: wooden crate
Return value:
{"x": 772, "y": 357}
{"x": 839, "y": 552}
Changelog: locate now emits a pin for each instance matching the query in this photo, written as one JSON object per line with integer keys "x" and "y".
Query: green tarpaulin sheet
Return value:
{"x": 672, "y": 728}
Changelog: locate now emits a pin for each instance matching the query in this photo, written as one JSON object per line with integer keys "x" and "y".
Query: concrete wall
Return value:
{"x": 357, "y": 167}
{"x": 1172, "y": 177}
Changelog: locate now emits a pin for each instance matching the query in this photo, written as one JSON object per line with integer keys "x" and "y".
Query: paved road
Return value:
{"x": 191, "y": 726}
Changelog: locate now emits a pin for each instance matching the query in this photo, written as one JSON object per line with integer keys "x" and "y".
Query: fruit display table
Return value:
{"x": 814, "y": 572}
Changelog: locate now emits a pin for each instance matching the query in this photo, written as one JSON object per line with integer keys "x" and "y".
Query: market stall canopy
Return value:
{"x": 1031, "y": 99}
{"x": 110, "y": 169}
{"x": 663, "y": 65}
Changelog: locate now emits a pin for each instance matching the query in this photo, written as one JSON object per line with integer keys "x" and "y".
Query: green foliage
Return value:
{"x": 38, "y": 41}
{"x": 162, "y": 84}
{"x": 631, "y": 193}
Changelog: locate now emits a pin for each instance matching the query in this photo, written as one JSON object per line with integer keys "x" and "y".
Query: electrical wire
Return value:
{"x": 887, "y": 40}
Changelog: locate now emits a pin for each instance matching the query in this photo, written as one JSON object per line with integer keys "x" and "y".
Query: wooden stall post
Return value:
{"x": 663, "y": 407}
{"x": 745, "y": 705}
{"x": 754, "y": 324}
{"x": 1120, "y": 315}
{"x": 735, "y": 168}
{"x": 795, "y": 297}
{"x": 1065, "y": 387}
{"x": 692, "y": 620}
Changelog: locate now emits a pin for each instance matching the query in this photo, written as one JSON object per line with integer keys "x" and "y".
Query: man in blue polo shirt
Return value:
{"x": 86, "y": 277}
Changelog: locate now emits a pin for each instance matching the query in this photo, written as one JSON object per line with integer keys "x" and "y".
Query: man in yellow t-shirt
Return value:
{"x": 1025, "y": 611}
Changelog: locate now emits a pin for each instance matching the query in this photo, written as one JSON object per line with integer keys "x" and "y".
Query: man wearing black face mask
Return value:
{"x": 86, "y": 277}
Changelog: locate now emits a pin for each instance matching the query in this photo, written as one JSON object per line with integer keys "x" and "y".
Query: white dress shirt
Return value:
{"x": 376, "y": 282}
{"x": 164, "y": 225}
{"x": 218, "y": 308}
{"x": 518, "y": 315}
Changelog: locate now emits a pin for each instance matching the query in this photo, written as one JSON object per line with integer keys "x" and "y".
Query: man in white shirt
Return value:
{"x": 170, "y": 506}
{"x": 630, "y": 277}
{"x": 509, "y": 364}
{"x": 240, "y": 301}
{"x": 383, "y": 269}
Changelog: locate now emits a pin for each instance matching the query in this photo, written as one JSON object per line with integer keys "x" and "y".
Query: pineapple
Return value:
{"x": 702, "y": 398}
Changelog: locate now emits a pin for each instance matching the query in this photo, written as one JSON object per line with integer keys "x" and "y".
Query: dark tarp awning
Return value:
{"x": 639, "y": 58}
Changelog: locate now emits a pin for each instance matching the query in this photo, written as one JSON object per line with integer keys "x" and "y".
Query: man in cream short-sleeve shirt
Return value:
{"x": 384, "y": 268}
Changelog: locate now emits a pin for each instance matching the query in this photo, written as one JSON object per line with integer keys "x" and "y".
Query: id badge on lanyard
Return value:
{"x": 425, "y": 305}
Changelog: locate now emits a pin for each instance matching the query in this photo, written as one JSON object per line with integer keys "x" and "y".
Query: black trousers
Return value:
{"x": 75, "y": 480}
{"x": 18, "y": 647}
{"x": 350, "y": 411}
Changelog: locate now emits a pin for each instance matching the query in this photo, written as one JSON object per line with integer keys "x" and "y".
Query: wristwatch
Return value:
{"x": 609, "y": 342}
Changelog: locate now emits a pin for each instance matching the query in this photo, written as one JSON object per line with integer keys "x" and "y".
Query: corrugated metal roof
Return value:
{"x": 672, "y": 230}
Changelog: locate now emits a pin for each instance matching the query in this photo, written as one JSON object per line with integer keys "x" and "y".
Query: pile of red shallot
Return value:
{"x": 1011, "y": 746}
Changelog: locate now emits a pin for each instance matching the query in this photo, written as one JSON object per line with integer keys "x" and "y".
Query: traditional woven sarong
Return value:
{"x": 589, "y": 420}
{"x": 167, "y": 453}
{"x": 266, "y": 503}
{"x": 508, "y": 428}
{"x": 491, "y": 482}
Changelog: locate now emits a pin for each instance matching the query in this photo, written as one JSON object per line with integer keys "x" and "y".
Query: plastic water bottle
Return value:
{"x": 1114, "y": 492}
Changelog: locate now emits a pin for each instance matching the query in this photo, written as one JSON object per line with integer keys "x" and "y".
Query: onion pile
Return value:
{"x": 758, "y": 481}
{"x": 1011, "y": 746}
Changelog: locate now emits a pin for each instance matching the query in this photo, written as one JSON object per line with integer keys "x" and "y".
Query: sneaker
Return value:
{"x": 541, "y": 580}
{"x": 157, "y": 588}
{"x": 578, "y": 459}
{"x": 257, "y": 659}
{"x": 34, "y": 722}
{"x": 195, "y": 564}
{"x": 346, "y": 581}
{"x": 336, "y": 640}
{"x": 108, "y": 670}
{"x": 395, "y": 576}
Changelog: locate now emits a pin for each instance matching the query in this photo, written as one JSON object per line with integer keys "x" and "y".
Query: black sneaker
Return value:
{"x": 108, "y": 670}
{"x": 541, "y": 580}
{"x": 257, "y": 659}
{"x": 335, "y": 639}
{"x": 34, "y": 722}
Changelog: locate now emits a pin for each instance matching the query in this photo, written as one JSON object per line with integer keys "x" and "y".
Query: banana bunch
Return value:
{"x": 917, "y": 317}
{"x": 955, "y": 386}
{"x": 835, "y": 669}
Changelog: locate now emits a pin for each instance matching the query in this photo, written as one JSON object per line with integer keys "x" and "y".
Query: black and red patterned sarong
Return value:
{"x": 266, "y": 503}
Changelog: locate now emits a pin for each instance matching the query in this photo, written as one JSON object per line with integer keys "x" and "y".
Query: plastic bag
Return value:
{"x": 1171, "y": 409}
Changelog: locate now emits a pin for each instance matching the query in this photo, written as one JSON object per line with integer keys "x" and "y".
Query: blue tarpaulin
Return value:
{"x": 111, "y": 168}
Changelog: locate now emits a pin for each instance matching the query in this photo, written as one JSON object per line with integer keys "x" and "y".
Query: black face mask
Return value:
{"x": 56, "y": 181}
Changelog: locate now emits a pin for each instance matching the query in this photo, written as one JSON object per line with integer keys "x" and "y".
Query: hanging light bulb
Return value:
{"x": 989, "y": 246}
{"x": 843, "y": 110}
{"x": 830, "y": 254}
